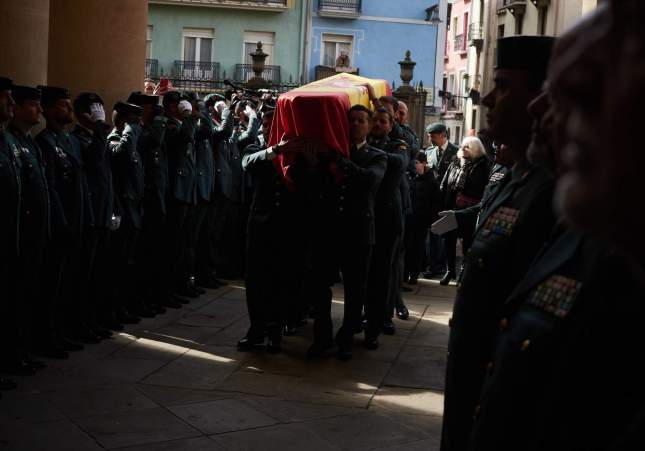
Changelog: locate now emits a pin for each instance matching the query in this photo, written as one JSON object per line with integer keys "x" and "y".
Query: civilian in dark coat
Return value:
{"x": 425, "y": 206}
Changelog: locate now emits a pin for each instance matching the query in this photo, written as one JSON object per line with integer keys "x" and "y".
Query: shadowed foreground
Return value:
{"x": 177, "y": 382}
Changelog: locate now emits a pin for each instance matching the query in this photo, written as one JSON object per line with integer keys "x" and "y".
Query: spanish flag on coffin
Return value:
{"x": 318, "y": 111}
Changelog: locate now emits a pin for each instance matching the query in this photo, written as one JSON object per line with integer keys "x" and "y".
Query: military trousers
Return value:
{"x": 178, "y": 236}
{"x": 153, "y": 253}
{"x": 415, "y": 247}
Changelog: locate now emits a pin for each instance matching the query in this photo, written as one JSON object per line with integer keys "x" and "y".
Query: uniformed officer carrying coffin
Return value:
{"x": 508, "y": 236}
{"x": 383, "y": 284}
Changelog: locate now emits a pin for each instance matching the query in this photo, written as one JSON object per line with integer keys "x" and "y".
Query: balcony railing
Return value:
{"x": 339, "y": 8}
{"x": 194, "y": 70}
{"x": 326, "y": 71}
{"x": 510, "y": 5}
{"x": 476, "y": 35}
{"x": 267, "y": 5}
{"x": 244, "y": 72}
{"x": 460, "y": 44}
{"x": 152, "y": 68}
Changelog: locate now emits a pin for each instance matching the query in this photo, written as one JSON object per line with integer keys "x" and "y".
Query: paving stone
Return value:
{"x": 183, "y": 335}
{"x": 171, "y": 396}
{"x": 419, "y": 367}
{"x": 364, "y": 431}
{"x": 432, "y": 330}
{"x": 408, "y": 400}
{"x": 226, "y": 415}
{"x": 152, "y": 349}
{"x": 275, "y": 438}
{"x": 99, "y": 401}
{"x": 31, "y": 408}
{"x": 219, "y": 313}
{"x": 50, "y": 436}
{"x": 202, "y": 368}
{"x": 229, "y": 336}
{"x": 191, "y": 444}
{"x": 293, "y": 412}
{"x": 136, "y": 428}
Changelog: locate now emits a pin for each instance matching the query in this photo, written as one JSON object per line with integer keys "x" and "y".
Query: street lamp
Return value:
{"x": 432, "y": 16}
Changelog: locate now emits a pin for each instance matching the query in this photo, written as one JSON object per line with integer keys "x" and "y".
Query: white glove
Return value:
{"x": 115, "y": 223}
{"x": 250, "y": 112}
{"x": 185, "y": 108}
{"x": 447, "y": 223}
{"x": 97, "y": 113}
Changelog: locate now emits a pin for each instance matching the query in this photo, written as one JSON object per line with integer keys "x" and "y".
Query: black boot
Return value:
{"x": 447, "y": 277}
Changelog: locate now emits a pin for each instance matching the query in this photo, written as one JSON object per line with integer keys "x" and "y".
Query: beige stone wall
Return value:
{"x": 24, "y": 28}
{"x": 98, "y": 45}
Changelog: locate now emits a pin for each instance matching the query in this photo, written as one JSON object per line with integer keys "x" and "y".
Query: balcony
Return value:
{"x": 350, "y": 9}
{"x": 326, "y": 71}
{"x": 460, "y": 44}
{"x": 261, "y": 5}
{"x": 196, "y": 71}
{"x": 515, "y": 7}
{"x": 152, "y": 68}
{"x": 244, "y": 72}
{"x": 476, "y": 36}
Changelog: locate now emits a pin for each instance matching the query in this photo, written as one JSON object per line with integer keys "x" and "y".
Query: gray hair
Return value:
{"x": 475, "y": 145}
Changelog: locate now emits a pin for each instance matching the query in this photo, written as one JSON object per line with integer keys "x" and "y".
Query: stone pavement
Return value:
{"x": 177, "y": 382}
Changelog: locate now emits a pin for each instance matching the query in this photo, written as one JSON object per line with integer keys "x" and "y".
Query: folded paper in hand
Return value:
{"x": 446, "y": 224}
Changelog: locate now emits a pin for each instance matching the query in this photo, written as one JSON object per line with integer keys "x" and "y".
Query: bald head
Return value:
{"x": 402, "y": 114}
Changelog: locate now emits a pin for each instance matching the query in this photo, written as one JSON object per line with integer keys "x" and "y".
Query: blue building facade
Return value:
{"x": 374, "y": 34}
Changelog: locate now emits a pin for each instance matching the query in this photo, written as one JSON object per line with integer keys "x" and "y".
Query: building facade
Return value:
{"x": 494, "y": 19}
{"x": 455, "y": 80}
{"x": 372, "y": 36}
{"x": 212, "y": 39}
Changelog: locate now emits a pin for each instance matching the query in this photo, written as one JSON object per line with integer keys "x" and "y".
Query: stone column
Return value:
{"x": 24, "y": 29}
{"x": 98, "y": 45}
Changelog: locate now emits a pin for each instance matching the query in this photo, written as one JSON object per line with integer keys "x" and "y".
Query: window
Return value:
{"x": 149, "y": 42}
{"x": 455, "y": 26}
{"x": 198, "y": 45}
{"x": 448, "y": 16}
{"x": 333, "y": 45}
{"x": 465, "y": 29}
{"x": 500, "y": 31}
{"x": 519, "y": 22}
{"x": 251, "y": 39}
{"x": 463, "y": 82}
{"x": 458, "y": 134}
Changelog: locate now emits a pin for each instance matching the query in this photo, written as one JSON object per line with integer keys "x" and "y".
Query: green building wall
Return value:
{"x": 229, "y": 25}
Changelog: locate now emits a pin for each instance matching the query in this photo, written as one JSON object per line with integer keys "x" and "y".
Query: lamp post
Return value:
{"x": 432, "y": 16}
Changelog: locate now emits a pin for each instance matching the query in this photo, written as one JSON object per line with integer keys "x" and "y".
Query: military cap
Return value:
{"x": 141, "y": 99}
{"x": 52, "y": 94}
{"x": 211, "y": 99}
{"x": 128, "y": 108}
{"x": 5, "y": 83}
{"x": 190, "y": 96}
{"x": 83, "y": 101}
{"x": 530, "y": 53}
{"x": 171, "y": 97}
{"x": 22, "y": 93}
{"x": 437, "y": 127}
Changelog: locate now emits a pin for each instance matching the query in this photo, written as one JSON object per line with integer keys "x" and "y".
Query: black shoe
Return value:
{"x": 402, "y": 312}
{"x": 34, "y": 363}
{"x": 84, "y": 335}
{"x": 178, "y": 297}
{"x": 7, "y": 384}
{"x": 388, "y": 328}
{"x": 406, "y": 289}
{"x": 274, "y": 345}
{"x": 344, "y": 352}
{"x": 143, "y": 311}
{"x": 319, "y": 349}
{"x": 289, "y": 330}
{"x": 18, "y": 368}
{"x": 447, "y": 277}
{"x": 249, "y": 343}
{"x": 51, "y": 352}
{"x": 413, "y": 280}
{"x": 370, "y": 342}
{"x": 123, "y": 316}
{"x": 69, "y": 345}
{"x": 170, "y": 302}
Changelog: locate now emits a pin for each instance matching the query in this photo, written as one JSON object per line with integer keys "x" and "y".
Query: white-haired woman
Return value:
{"x": 462, "y": 187}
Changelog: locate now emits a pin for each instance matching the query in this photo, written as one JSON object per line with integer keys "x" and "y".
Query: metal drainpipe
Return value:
{"x": 304, "y": 34}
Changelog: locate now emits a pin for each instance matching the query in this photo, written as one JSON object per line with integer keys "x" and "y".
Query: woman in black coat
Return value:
{"x": 462, "y": 187}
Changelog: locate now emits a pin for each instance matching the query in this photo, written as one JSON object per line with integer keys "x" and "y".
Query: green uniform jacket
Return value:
{"x": 509, "y": 235}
